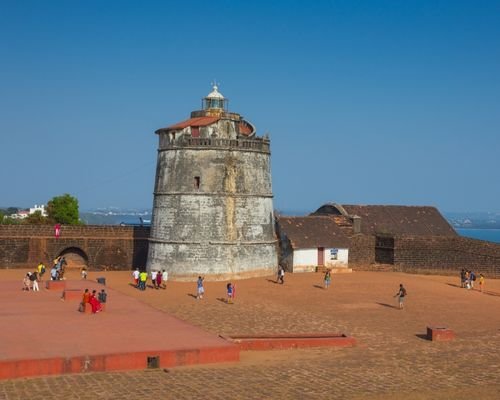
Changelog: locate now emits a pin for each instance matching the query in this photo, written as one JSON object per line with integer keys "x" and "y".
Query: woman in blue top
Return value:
{"x": 230, "y": 291}
{"x": 201, "y": 289}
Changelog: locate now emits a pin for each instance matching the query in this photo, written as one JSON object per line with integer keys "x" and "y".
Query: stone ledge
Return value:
{"x": 55, "y": 285}
{"x": 72, "y": 294}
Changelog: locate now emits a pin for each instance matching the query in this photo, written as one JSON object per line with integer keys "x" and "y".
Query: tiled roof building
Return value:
{"x": 392, "y": 220}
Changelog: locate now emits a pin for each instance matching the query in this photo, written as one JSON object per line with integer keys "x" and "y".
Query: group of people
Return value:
{"x": 230, "y": 290}
{"x": 57, "y": 271}
{"x": 158, "y": 279}
{"x": 94, "y": 300}
{"x": 30, "y": 281}
{"x": 468, "y": 278}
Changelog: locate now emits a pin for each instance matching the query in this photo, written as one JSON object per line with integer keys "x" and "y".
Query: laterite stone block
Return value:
{"x": 440, "y": 334}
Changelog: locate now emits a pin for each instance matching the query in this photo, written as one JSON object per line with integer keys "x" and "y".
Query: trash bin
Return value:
{"x": 101, "y": 280}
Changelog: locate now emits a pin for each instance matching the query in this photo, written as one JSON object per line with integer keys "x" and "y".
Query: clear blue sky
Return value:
{"x": 366, "y": 102}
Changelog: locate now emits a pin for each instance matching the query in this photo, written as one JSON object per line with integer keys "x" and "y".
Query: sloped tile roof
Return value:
{"x": 401, "y": 220}
{"x": 312, "y": 232}
{"x": 198, "y": 121}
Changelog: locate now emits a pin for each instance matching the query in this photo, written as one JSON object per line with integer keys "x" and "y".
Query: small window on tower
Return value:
{"x": 197, "y": 182}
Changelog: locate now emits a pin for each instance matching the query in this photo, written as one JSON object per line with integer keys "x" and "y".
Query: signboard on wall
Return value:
{"x": 334, "y": 254}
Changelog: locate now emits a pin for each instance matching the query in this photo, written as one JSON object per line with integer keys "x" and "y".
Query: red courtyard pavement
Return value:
{"x": 41, "y": 334}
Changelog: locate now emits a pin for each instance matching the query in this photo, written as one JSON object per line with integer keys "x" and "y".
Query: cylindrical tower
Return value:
{"x": 213, "y": 201}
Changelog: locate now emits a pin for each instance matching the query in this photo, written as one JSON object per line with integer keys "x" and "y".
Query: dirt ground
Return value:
{"x": 392, "y": 357}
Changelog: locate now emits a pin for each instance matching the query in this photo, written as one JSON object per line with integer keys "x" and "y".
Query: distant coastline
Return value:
{"x": 491, "y": 235}
{"x": 489, "y": 231}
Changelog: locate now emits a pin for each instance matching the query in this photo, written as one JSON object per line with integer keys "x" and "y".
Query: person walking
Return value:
{"x": 135, "y": 276}
{"x": 200, "y": 288}
{"x": 154, "y": 274}
{"x": 467, "y": 279}
{"x": 41, "y": 270}
{"x": 229, "y": 293}
{"x": 481, "y": 283}
{"x": 401, "y": 294}
{"x": 328, "y": 279}
{"x": 102, "y": 296}
{"x": 34, "y": 281}
{"x": 159, "y": 277}
{"x": 164, "y": 278}
{"x": 472, "y": 279}
{"x": 143, "y": 277}
{"x": 85, "y": 300}
{"x": 94, "y": 303}
{"x": 281, "y": 275}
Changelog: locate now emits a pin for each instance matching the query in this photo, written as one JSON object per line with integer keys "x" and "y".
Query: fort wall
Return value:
{"x": 446, "y": 254}
{"x": 101, "y": 247}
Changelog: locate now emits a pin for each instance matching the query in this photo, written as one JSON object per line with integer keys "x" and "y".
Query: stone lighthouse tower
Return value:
{"x": 213, "y": 201}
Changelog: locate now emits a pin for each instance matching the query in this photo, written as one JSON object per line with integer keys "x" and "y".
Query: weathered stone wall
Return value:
{"x": 219, "y": 225}
{"x": 446, "y": 254}
{"x": 110, "y": 247}
{"x": 361, "y": 250}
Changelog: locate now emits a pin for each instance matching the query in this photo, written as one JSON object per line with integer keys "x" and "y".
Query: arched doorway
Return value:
{"x": 75, "y": 257}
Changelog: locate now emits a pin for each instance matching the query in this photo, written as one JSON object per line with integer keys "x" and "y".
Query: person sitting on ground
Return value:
{"x": 83, "y": 272}
{"x": 53, "y": 273}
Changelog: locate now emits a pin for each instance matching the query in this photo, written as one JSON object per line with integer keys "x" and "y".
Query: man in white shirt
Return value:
{"x": 135, "y": 275}
{"x": 164, "y": 278}
{"x": 153, "y": 278}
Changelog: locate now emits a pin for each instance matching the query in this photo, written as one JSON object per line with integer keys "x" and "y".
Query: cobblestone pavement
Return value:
{"x": 391, "y": 361}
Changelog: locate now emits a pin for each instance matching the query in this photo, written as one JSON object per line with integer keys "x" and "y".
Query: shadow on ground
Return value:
{"x": 387, "y": 305}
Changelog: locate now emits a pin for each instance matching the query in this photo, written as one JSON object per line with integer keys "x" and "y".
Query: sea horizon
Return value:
{"x": 490, "y": 235}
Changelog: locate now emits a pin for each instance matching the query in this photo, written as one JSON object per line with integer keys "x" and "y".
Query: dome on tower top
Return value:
{"x": 215, "y": 101}
{"x": 215, "y": 94}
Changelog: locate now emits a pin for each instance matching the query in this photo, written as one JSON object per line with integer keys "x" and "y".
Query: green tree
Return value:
{"x": 64, "y": 210}
{"x": 11, "y": 210}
